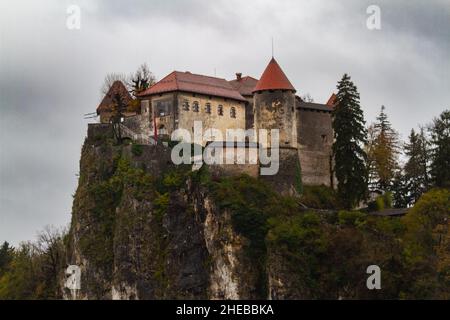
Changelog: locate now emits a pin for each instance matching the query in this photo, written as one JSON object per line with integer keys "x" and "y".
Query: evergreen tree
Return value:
{"x": 440, "y": 151}
{"x": 6, "y": 256}
{"x": 399, "y": 190}
{"x": 416, "y": 167}
{"x": 383, "y": 152}
{"x": 350, "y": 135}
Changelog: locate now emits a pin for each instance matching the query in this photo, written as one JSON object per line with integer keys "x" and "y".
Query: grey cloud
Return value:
{"x": 50, "y": 76}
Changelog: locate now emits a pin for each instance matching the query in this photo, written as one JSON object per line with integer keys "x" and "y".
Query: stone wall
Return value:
{"x": 139, "y": 124}
{"x": 276, "y": 110}
{"x": 288, "y": 179}
{"x": 315, "y": 140}
{"x": 249, "y": 113}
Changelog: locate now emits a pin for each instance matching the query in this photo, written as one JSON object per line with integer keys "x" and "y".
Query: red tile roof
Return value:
{"x": 244, "y": 85}
{"x": 273, "y": 78}
{"x": 195, "y": 83}
{"x": 108, "y": 102}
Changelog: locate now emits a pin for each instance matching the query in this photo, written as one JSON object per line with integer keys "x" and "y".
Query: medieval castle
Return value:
{"x": 180, "y": 98}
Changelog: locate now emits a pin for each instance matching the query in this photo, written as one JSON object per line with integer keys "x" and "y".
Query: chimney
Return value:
{"x": 238, "y": 76}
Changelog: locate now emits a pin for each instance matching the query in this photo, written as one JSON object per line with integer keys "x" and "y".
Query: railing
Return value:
{"x": 139, "y": 138}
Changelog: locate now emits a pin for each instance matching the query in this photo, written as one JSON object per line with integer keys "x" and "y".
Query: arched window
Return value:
{"x": 220, "y": 110}
{"x": 195, "y": 106}
{"x": 233, "y": 112}
{"x": 186, "y": 105}
{"x": 208, "y": 108}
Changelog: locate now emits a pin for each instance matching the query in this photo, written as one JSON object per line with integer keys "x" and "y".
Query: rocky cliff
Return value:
{"x": 143, "y": 228}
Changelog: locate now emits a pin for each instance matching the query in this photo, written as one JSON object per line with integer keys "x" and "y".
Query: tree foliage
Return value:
{"x": 416, "y": 167}
{"x": 110, "y": 78}
{"x": 440, "y": 150}
{"x": 383, "y": 151}
{"x": 350, "y": 135}
{"x": 142, "y": 79}
{"x": 135, "y": 83}
{"x": 32, "y": 270}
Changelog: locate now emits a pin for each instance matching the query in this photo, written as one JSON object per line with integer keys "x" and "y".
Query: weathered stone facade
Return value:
{"x": 180, "y": 110}
{"x": 305, "y": 130}
{"x": 275, "y": 110}
{"x": 315, "y": 140}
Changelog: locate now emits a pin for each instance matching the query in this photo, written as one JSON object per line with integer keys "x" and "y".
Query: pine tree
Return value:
{"x": 399, "y": 188}
{"x": 6, "y": 256}
{"x": 350, "y": 135}
{"x": 416, "y": 167}
{"x": 440, "y": 150}
{"x": 383, "y": 152}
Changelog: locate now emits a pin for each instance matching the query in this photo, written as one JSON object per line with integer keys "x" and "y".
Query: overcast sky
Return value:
{"x": 50, "y": 75}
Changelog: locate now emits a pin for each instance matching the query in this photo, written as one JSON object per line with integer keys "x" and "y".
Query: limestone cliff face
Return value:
{"x": 135, "y": 239}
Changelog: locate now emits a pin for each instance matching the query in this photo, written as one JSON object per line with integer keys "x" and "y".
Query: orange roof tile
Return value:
{"x": 332, "y": 101}
{"x": 195, "y": 83}
{"x": 273, "y": 78}
{"x": 244, "y": 85}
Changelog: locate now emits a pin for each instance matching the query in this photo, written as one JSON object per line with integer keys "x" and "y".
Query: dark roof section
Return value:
{"x": 313, "y": 106}
{"x": 108, "y": 103}
{"x": 244, "y": 85}
{"x": 273, "y": 78}
{"x": 195, "y": 83}
{"x": 390, "y": 212}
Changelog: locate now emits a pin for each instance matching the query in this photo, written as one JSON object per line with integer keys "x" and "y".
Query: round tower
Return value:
{"x": 274, "y": 109}
{"x": 274, "y": 106}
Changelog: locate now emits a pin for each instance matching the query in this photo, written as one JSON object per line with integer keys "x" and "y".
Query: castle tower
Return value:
{"x": 274, "y": 108}
{"x": 274, "y": 103}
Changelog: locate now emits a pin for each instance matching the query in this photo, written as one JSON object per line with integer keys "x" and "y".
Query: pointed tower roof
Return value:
{"x": 273, "y": 78}
{"x": 108, "y": 102}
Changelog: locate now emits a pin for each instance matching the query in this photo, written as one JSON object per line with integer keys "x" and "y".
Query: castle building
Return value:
{"x": 305, "y": 130}
{"x": 181, "y": 98}
{"x": 108, "y": 104}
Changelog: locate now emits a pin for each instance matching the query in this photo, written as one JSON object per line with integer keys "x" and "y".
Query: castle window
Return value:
{"x": 208, "y": 108}
{"x": 220, "y": 110}
{"x": 163, "y": 108}
{"x": 195, "y": 106}
{"x": 233, "y": 112}
{"x": 162, "y": 129}
{"x": 186, "y": 105}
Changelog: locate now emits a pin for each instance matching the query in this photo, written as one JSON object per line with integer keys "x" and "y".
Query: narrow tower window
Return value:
{"x": 208, "y": 108}
{"x": 195, "y": 106}
{"x": 233, "y": 112}
{"x": 186, "y": 105}
{"x": 220, "y": 110}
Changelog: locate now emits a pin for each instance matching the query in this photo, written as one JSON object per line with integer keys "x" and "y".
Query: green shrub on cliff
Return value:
{"x": 319, "y": 197}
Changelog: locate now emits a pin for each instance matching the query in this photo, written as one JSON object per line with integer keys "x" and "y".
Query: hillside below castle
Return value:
{"x": 143, "y": 228}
